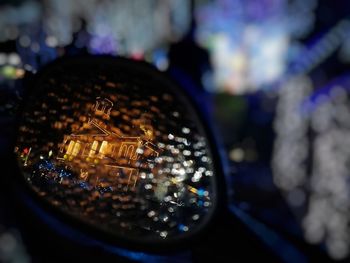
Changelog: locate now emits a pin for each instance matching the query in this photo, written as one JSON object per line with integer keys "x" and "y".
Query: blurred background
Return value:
{"x": 273, "y": 74}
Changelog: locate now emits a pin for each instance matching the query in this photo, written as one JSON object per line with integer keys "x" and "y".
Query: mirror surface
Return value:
{"x": 113, "y": 144}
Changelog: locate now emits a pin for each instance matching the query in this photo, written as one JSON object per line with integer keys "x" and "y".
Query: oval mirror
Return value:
{"x": 118, "y": 147}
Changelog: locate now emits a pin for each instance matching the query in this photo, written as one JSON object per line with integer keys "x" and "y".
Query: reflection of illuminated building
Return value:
{"x": 97, "y": 146}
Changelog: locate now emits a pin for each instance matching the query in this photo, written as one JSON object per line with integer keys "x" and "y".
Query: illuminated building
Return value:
{"x": 96, "y": 145}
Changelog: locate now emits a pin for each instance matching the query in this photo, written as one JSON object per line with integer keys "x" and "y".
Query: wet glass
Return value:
{"x": 116, "y": 145}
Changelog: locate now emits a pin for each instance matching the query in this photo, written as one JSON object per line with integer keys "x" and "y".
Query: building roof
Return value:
{"x": 96, "y": 130}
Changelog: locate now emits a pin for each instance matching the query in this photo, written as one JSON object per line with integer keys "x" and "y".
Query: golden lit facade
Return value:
{"x": 95, "y": 146}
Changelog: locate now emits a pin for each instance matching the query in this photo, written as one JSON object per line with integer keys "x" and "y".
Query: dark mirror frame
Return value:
{"x": 44, "y": 213}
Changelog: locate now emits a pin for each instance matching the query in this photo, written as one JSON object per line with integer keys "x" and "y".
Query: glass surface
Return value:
{"x": 117, "y": 148}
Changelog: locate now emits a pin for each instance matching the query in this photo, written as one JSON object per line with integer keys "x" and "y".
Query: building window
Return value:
{"x": 70, "y": 147}
{"x": 130, "y": 152}
{"x": 113, "y": 151}
{"x": 93, "y": 149}
{"x": 76, "y": 148}
{"x": 123, "y": 150}
{"x": 86, "y": 149}
{"x": 103, "y": 148}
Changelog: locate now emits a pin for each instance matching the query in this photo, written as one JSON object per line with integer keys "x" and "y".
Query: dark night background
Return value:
{"x": 276, "y": 42}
